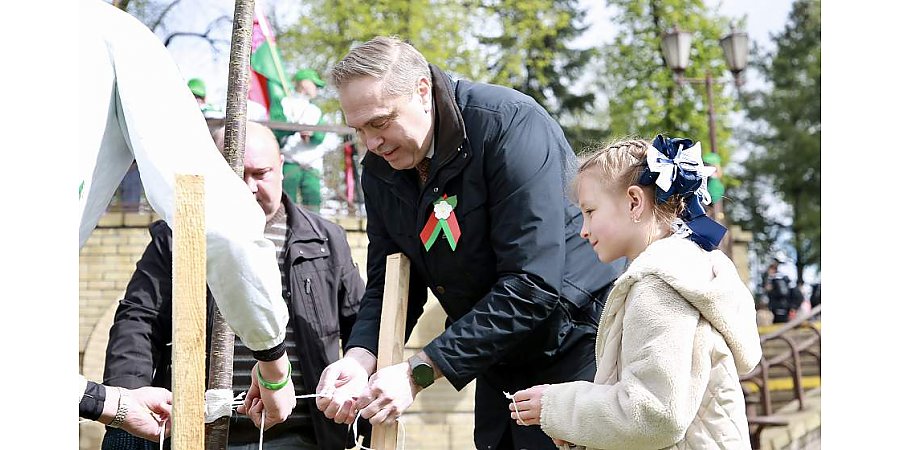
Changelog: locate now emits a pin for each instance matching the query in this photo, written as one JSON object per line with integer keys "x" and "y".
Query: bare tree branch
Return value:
{"x": 205, "y": 35}
{"x": 162, "y": 15}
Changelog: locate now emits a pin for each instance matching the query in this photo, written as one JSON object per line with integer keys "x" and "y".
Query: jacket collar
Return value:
{"x": 300, "y": 225}
{"x": 449, "y": 129}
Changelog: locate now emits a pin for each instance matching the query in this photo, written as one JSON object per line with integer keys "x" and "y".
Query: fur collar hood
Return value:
{"x": 710, "y": 282}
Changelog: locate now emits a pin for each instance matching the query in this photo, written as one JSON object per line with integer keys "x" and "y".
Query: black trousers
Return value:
{"x": 494, "y": 429}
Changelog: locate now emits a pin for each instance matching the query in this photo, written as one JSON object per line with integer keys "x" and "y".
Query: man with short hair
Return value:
{"x": 304, "y": 150}
{"x": 320, "y": 285}
{"x": 469, "y": 181}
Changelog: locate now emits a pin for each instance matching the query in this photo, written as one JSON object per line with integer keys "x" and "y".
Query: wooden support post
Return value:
{"x": 188, "y": 313}
{"x": 392, "y": 334}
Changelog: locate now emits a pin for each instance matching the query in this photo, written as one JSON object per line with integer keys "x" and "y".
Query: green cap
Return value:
{"x": 712, "y": 159}
{"x": 716, "y": 189}
{"x": 311, "y": 75}
{"x": 198, "y": 87}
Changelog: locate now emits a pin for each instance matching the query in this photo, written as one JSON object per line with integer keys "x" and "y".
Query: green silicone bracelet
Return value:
{"x": 273, "y": 386}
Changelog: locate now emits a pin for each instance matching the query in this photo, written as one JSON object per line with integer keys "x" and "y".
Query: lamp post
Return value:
{"x": 676, "y": 46}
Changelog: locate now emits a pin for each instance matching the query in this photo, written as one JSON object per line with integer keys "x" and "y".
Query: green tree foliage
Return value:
{"x": 787, "y": 161}
{"x": 531, "y": 51}
{"x": 644, "y": 97}
{"x": 328, "y": 29}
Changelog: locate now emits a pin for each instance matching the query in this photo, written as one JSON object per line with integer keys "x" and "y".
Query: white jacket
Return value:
{"x": 135, "y": 105}
{"x": 672, "y": 341}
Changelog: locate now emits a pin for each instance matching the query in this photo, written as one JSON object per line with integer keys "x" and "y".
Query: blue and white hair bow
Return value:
{"x": 687, "y": 164}
{"x": 676, "y": 167}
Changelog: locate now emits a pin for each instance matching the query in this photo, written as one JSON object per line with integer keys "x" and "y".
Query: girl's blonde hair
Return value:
{"x": 620, "y": 165}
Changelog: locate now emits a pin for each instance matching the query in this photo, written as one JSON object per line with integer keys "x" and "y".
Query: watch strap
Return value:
{"x": 121, "y": 410}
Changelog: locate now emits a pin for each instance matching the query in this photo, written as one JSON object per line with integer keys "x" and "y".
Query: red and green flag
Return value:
{"x": 268, "y": 85}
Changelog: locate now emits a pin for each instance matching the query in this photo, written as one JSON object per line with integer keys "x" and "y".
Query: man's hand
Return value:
{"x": 276, "y": 405}
{"x": 147, "y": 408}
{"x": 525, "y": 407}
{"x": 390, "y": 393}
{"x": 343, "y": 381}
{"x": 562, "y": 443}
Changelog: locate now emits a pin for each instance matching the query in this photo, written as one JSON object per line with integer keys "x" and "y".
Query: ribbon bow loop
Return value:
{"x": 678, "y": 162}
{"x": 676, "y": 167}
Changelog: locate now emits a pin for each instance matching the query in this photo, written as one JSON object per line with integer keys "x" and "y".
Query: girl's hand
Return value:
{"x": 525, "y": 407}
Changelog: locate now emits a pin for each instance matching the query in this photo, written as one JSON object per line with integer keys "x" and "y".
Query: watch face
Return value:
{"x": 423, "y": 375}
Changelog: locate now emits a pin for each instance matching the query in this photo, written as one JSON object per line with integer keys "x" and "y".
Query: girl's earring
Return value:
{"x": 636, "y": 220}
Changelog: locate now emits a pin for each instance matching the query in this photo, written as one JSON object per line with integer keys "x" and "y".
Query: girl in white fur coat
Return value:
{"x": 679, "y": 326}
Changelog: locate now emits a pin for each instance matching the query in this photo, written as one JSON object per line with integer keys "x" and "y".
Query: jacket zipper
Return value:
{"x": 317, "y": 320}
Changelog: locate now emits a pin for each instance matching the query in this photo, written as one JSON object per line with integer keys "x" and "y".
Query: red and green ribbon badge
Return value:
{"x": 442, "y": 218}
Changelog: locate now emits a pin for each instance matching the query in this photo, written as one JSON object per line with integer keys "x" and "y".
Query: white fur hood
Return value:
{"x": 710, "y": 282}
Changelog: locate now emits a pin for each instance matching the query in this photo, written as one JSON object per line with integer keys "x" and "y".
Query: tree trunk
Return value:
{"x": 221, "y": 355}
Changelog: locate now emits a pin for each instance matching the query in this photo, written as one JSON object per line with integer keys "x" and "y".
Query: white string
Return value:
{"x": 356, "y": 433}
{"x": 238, "y": 400}
{"x": 262, "y": 426}
{"x": 513, "y": 398}
{"x": 214, "y": 398}
{"x": 401, "y": 438}
{"x": 162, "y": 433}
{"x": 218, "y": 404}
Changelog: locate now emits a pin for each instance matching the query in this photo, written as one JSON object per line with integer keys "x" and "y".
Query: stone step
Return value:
{"x": 786, "y": 384}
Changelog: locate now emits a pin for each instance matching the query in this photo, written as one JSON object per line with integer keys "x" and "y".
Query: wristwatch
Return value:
{"x": 121, "y": 410}
{"x": 422, "y": 372}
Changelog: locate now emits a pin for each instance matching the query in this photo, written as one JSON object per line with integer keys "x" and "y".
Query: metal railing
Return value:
{"x": 760, "y": 413}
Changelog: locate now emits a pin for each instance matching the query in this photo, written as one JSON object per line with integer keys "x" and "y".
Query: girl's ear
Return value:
{"x": 637, "y": 202}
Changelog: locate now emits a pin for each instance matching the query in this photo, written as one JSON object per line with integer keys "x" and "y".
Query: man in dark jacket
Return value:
{"x": 469, "y": 181}
{"x": 321, "y": 285}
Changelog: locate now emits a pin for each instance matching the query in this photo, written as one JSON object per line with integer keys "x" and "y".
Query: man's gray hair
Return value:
{"x": 385, "y": 58}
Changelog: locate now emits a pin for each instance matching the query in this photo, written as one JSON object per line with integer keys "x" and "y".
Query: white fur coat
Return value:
{"x": 672, "y": 341}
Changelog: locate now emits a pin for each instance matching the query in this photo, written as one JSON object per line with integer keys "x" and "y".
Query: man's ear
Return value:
{"x": 423, "y": 89}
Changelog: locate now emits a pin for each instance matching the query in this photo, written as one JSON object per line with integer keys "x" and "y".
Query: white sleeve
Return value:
{"x": 168, "y": 135}
{"x": 661, "y": 385}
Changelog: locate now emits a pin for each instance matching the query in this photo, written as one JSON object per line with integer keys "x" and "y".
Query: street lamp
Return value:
{"x": 676, "y": 46}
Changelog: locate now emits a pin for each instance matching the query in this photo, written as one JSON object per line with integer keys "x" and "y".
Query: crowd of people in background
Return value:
{"x": 303, "y": 151}
{"x": 783, "y": 297}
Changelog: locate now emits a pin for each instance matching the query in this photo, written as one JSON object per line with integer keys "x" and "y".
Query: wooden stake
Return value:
{"x": 392, "y": 334}
{"x": 188, "y": 313}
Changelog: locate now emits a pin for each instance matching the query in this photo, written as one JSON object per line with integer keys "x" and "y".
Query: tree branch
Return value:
{"x": 205, "y": 35}
{"x": 162, "y": 15}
